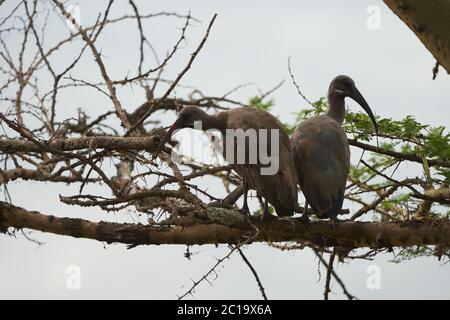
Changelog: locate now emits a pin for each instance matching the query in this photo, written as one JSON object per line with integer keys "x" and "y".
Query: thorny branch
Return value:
{"x": 255, "y": 274}
{"x": 328, "y": 275}
{"x": 249, "y": 239}
{"x": 332, "y": 272}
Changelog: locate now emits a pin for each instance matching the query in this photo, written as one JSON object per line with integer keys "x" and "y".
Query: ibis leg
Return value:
{"x": 305, "y": 215}
{"x": 266, "y": 216}
{"x": 245, "y": 210}
{"x": 266, "y": 209}
{"x": 333, "y": 222}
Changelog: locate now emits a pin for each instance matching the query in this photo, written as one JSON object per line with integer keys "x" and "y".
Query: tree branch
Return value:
{"x": 177, "y": 79}
{"x": 398, "y": 155}
{"x": 255, "y": 274}
{"x": 149, "y": 143}
{"x": 230, "y": 226}
{"x": 430, "y": 21}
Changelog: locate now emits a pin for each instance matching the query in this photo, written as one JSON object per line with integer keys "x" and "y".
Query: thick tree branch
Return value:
{"x": 71, "y": 144}
{"x": 230, "y": 226}
{"x": 430, "y": 21}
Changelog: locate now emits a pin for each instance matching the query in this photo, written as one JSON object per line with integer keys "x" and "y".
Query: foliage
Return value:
{"x": 257, "y": 102}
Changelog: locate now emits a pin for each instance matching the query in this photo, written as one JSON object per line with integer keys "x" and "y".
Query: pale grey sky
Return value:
{"x": 250, "y": 42}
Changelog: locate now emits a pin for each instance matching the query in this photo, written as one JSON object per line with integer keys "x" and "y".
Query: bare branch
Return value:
{"x": 258, "y": 281}
{"x": 178, "y": 78}
{"x": 227, "y": 226}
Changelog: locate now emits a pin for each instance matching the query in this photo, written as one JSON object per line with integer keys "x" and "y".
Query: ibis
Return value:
{"x": 321, "y": 150}
{"x": 278, "y": 187}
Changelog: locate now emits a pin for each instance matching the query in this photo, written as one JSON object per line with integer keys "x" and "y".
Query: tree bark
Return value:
{"x": 430, "y": 21}
{"x": 150, "y": 143}
{"x": 230, "y": 226}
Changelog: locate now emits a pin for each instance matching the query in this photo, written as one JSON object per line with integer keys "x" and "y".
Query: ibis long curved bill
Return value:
{"x": 359, "y": 98}
{"x": 176, "y": 125}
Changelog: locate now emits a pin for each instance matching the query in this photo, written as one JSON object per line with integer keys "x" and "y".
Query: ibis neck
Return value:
{"x": 214, "y": 122}
{"x": 336, "y": 110}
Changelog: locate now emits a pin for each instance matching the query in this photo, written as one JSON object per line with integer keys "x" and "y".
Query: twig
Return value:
{"x": 328, "y": 276}
{"x": 375, "y": 203}
{"x": 297, "y": 86}
{"x": 175, "y": 82}
{"x": 261, "y": 288}
{"x": 219, "y": 261}
{"x": 398, "y": 155}
{"x": 336, "y": 277}
{"x": 435, "y": 70}
{"x": 415, "y": 193}
{"x": 112, "y": 90}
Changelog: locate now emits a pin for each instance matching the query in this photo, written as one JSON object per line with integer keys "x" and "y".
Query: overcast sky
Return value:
{"x": 250, "y": 43}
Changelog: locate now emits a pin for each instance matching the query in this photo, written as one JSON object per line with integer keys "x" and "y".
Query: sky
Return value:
{"x": 249, "y": 43}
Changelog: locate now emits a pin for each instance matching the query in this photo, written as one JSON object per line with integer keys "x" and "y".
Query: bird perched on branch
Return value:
{"x": 259, "y": 138}
{"x": 321, "y": 151}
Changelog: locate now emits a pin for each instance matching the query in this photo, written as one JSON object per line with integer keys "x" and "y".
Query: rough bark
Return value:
{"x": 27, "y": 174}
{"x": 229, "y": 226}
{"x": 71, "y": 144}
{"x": 151, "y": 143}
{"x": 430, "y": 21}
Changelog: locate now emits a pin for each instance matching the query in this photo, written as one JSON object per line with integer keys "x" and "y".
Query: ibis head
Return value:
{"x": 344, "y": 86}
{"x": 188, "y": 116}
{"x": 186, "y": 119}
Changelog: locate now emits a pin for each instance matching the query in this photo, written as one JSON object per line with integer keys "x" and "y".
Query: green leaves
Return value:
{"x": 438, "y": 143}
{"x": 319, "y": 107}
{"x": 359, "y": 125}
{"x": 413, "y": 252}
{"x": 257, "y": 102}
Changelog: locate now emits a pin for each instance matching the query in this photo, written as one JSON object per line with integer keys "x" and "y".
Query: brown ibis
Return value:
{"x": 321, "y": 151}
{"x": 279, "y": 188}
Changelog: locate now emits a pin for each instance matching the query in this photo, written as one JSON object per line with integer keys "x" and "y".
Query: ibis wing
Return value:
{"x": 279, "y": 188}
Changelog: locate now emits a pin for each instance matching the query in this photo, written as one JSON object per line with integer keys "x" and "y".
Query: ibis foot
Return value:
{"x": 267, "y": 217}
{"x": 304, "y": 218}
{"x": 245, "y": 210}
{"x": 334, "y": 222}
